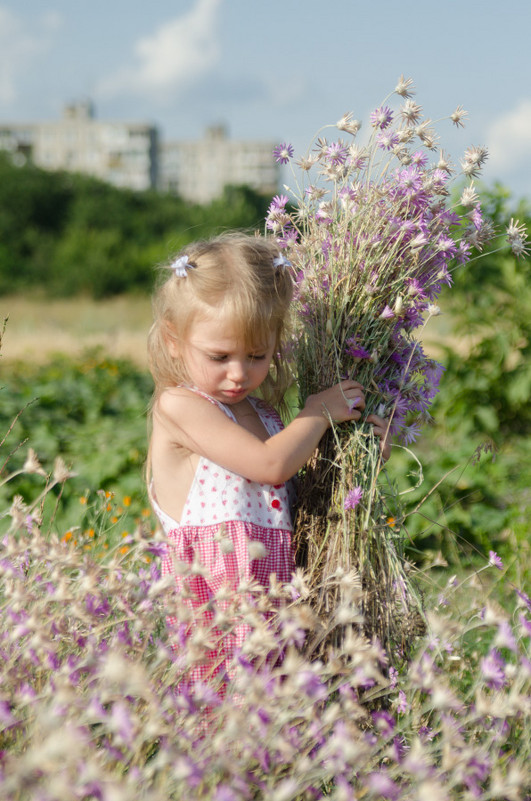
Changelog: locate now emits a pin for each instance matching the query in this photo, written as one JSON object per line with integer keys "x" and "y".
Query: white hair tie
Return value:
{"x": 180, "y": 266}
{"x": 281, "y": 261}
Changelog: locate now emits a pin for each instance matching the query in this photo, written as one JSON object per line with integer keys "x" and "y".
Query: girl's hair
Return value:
{"x": 236, "y": 274}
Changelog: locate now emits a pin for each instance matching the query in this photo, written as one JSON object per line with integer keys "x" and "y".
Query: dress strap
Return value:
{"x": 217, "y": 403}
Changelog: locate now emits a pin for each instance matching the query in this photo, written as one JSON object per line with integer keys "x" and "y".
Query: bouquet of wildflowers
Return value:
{"x": 373, "y": 235}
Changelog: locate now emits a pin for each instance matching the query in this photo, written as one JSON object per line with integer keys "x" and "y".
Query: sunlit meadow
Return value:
{"x": 95, "y": 697}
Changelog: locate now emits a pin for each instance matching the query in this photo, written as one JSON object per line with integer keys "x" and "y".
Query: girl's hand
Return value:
{"x": 381, "y": 429}
{"x": 343, "y": 401}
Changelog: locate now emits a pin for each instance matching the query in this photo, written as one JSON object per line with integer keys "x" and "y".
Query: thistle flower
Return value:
{"x": 357, "y": 157}
{"x": 336, "y": 153}
{"x": 469, "y": 196}
{"x": 353, "y": 498}
{"x": 473, "y": 160}
{"x": 495, "y": 561}
{"x": 283, "y": 153}
{"x": 411, "y": 112}
{"x": 492, "y": 667}
{"x": 381, "y": 117}
{"x": 387, "y": 140}
{"x": 517, "y": 238}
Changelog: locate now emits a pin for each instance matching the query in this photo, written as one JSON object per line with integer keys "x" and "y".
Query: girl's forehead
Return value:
{"x": 218, "y": 328}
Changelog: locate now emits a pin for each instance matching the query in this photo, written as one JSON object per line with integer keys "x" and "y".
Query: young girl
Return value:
{"x": 220, "y": 458}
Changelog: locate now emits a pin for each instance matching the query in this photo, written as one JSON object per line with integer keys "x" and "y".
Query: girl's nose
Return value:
{"x": 236, "y": 371}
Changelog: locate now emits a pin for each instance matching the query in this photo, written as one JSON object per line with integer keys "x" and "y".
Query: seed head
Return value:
{"x": 458, "y": 116}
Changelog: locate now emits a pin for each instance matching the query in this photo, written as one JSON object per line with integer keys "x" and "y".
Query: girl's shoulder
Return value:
{"x": 179, "y": 401}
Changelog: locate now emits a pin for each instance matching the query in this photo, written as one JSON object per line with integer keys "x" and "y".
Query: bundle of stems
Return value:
{"x": 372, "y": 235}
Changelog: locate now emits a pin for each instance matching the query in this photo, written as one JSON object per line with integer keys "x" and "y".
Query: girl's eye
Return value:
{"x": 254, "y": 357}
{"x": 218, "y": 358}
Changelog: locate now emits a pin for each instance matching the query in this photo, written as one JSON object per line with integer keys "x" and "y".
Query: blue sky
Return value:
{"x": 277, "y": 70}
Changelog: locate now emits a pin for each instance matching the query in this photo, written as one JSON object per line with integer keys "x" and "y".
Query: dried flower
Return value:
{"x": 61, "y": 472}
{"x": 348, "y": 123}
{"x": 32, "y": 464}
{"x": 404, "y": 87}
{"x": 469, "y": 196}
{"x": 411, "y": 112}
{"x": 458, "y": 116}
{"x": 517, "y": 238}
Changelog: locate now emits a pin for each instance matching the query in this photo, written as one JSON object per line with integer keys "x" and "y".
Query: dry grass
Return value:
{"x": 38, "y": 327}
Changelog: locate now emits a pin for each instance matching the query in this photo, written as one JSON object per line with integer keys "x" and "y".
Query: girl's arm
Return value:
{"x": 190, "y": 421}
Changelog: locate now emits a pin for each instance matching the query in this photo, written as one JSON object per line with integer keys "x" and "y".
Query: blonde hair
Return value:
{"x": 233, "y": 273}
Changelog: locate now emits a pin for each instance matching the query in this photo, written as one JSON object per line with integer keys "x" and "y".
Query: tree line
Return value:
{"x": 65, "y": 234}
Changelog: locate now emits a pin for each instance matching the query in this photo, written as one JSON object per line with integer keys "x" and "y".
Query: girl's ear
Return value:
{"x": 171, "y": 341}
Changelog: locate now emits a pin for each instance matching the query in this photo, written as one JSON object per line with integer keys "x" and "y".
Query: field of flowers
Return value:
{"x": 95, "y": 704}
{"x": 96, "y": 701}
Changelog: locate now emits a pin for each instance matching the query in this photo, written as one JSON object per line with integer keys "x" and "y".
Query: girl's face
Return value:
{"x": 220, "y": 364}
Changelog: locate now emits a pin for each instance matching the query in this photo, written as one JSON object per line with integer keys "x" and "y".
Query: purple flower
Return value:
{"x": 7, "y": 719}
{"x": 353, "y": 498}
{"x": 525, "y": 624}
{"x": 402, "y": 704}
{"x": 355, "y": 350}
{"x": 476, "y": 772}
{"x": 336, "y": 153}
{"x": 410, "y": 433}
{"x": 381, "y": 117}
{"x": 278, "y": 203}
{"x": 382, "y": 785}
{"x": 419, "y": 158}
{"x": 225, "y": 793}
{"x": 495, "y": 561}
{"x": 505, "y": 637}
{"x": 384, "y": 722}
{"x": 492, "y": 668}
{"x": 409, "y": 180}
{"x": 158, "y": 549}
{"x": 283, "y": 153}
{"x": 524, "y": 597}
{"x": 311, "y": 684}
{"x": 387, "y": 140}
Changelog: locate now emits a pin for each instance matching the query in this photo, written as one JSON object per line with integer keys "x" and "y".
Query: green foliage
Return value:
{"x": 92, "y": 413}
{"x": 476, "y": 458}
{"x": 488, "y": 392}
{"x": 70, "y": 234}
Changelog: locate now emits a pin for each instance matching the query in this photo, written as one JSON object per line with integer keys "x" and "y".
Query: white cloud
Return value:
{"x": 20, "y": 47}
{"x": 172, "y": 58}
{"x": 509, "y": 139}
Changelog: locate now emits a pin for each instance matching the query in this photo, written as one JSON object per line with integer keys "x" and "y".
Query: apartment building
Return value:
{"x": 122, "y": 153}
{"x": 198, "y": 170}
{"x": 130, "y": 155}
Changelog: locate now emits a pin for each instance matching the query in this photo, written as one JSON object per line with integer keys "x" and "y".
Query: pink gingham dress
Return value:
{"x": 238, "y": 530}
